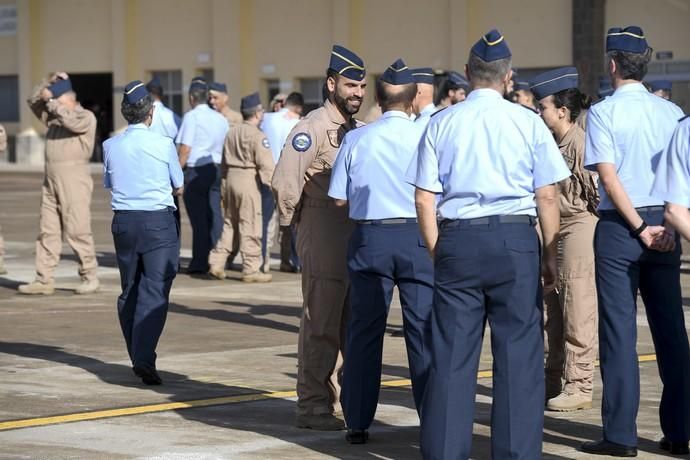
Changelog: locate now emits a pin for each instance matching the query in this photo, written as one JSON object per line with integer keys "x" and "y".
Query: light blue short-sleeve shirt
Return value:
{"x": 425, "y": 115}
{"x": 486, "y": 157}
{"x": 369, "y": 171}
{"x": 630, "y": 129}
{"x": 204, "y": 130}
{"x": 277, "y": 126}
{"x": 672, "y": 181}
{"x": 165, "y": 121}
{"x": 141, "y": 168}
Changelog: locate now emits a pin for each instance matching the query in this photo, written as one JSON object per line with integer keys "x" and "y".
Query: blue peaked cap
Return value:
{"x": 346, "y": 63}
{"x": 60, "y": 87}
{"x": 554, "y": 81}
{"x": 630, "y": 40}
{"x": 135, "y": 91}
{"x": 657, "y": 85}
{"x": 250, "y": 102}
{"x": 423, "y": 75}
{"x": 491, "y": 47}
{"x": 217, "y": 86}
{"x": 397, "y": 74}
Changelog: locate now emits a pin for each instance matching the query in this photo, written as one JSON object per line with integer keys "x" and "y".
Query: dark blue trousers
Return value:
{"x": 267, "y": 206}
{"x": 202, "y": 201}
{"x": 146, "y": 246}
{"x": 624, "y": 267}
{"x": 482, "y": 272}
{"x": 381, "y": 257}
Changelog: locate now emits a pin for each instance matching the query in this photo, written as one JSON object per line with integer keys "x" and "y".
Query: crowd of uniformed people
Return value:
{"x": 488, "y": 199}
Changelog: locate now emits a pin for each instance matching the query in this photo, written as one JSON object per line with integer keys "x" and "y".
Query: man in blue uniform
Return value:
{"x": 165, "y": 121}
{"x": 142, "y": 170}
{"x": 384, "y": 250}
{"x": 634, "y": 251}
{"x": 488, "y": 159}
{"x": 453, "y": 90}
{"x": 200, "y": 147}
{"x": 423, "y": 105}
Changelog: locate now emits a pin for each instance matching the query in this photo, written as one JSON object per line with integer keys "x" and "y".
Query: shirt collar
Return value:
{"x": 569, "y": 135}
{"x": 394, "y": 114}
{"x": 137, "y": 126}
{"x": 333, "y": 113}
{"x": 484, "y": 92}
{"x": 636, "y": 87}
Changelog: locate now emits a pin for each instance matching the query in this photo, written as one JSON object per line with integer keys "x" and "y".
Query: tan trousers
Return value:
{"x": 242, "y": 218}
{"x": 571, "y": 311}
{"x": 322, "y": 237}
{"x": 66, "y": 207}
{"x": 2, "y": 243}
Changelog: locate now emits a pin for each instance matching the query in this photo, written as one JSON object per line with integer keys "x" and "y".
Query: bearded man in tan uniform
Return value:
{"x": 67, "y": 187}
{"x": 218, "y": 99}
{"x": 300, "y": 184}
{"x": 247, "y": 162}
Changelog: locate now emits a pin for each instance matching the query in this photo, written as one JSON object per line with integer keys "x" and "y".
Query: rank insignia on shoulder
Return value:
{"x": 265, "y": 143}
{"x": 301, "y": 142}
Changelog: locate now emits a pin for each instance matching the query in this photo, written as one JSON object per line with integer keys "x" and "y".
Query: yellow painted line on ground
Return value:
{"x": 196, "y": 403}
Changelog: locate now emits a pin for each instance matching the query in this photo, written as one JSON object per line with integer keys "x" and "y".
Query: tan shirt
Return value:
{"x": 234, "y": 118}
{"x": 246, "y": 147}
{"x": 578, "y": 193}
{"x": 71, "y": 133}
{"x": 304, "y": 168}
{"x": 3, "y": 139}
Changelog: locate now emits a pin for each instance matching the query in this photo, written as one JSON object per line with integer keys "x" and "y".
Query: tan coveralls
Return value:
{"x": 571, "y": 311}
{"x": 3, "y": 147}
{"x": 67, "y": 187}
{"x": 234, "y": 118}
{"x": 247, "y": 161}
{"x": 300, "y": 185}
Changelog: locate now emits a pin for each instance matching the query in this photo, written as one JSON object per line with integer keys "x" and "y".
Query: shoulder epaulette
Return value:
{"x": 439, "y": 111}
{"x": 686, "y": 116}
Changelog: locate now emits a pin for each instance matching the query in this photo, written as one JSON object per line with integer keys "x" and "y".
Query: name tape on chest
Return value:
{"x": 301, "y": 142}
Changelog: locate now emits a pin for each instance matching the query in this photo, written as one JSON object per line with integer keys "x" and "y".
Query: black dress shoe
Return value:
{"x": 674, "y": 448}
{"x": 604, "y": 447}
{"x": 149, "y": 375}
{"x": 357, "y": 436}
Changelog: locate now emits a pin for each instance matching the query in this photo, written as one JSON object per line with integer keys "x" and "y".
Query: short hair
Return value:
{"x": 387, "y": 98}
{"x": 573, "y": 100}
{"x": 137, "y": 112}
{"x": 248, "y": 113}
{"x": 198, "y": 94}
{"x": 294, "y": 99}
{"x": 488, "y": 71}
{"x": 631, "y": 66}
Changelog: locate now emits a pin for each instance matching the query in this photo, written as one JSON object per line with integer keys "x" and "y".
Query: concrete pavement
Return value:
{"x": 228, "y": 360}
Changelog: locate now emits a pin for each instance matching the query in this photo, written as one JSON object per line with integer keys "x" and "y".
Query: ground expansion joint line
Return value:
{"x": 198, "y": 403}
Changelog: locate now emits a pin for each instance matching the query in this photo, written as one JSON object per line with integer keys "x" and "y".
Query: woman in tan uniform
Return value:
{"x": 571, "y": 310}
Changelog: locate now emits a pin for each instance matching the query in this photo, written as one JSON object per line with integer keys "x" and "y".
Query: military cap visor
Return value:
{"x": 346, "y": 63}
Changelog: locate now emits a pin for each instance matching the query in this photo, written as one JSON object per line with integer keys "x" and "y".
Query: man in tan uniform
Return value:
{"x": 218, "y": 99}
{"x": 247, "y": 162}
{"x": 300, "y": 184}
{"x": 67, "y": 187}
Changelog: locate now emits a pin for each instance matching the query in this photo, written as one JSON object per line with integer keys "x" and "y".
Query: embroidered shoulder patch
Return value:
{"x": 301, "y": 142}
{"x": 265, "y": 143}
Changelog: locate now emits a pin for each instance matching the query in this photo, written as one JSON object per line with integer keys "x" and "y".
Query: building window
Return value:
{"x": 171, "y": 80}
{"x": 207, "y": 74}
{"x": 272, "y": 88}
{"x": 312, "y": 91}
{"x": 9, "y": 98}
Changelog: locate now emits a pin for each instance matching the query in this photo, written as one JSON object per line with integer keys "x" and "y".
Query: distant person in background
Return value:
{"x": 453, "y": 90}
{"x": 277, "y": 126}
{"x": 524, "y": 96}
{"x": 661, "y": 88}
{"x": 165, "y": 121}
{"x": 200, "y": 147}
{"x": 219, "y": 100}
{"x": 277, "y": 103}
{"x": 68, "y": 186}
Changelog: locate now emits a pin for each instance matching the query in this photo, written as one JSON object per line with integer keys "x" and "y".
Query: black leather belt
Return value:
{"x": 401, "y": 220}
{"x": 518, "y": 219}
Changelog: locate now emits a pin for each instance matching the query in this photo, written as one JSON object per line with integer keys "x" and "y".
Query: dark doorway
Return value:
{"x": 95, "y": 92}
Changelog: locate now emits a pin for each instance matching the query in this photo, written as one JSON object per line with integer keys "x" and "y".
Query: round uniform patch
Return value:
{"x": 301, "y": 142}
{"x": 265, "y": 143}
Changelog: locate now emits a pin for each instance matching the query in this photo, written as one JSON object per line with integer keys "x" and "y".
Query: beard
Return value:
{"x": 349, "y": 105}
